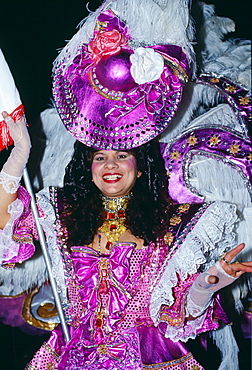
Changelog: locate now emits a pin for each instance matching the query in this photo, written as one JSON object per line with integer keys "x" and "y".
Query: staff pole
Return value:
{"x": 44, "y": 249}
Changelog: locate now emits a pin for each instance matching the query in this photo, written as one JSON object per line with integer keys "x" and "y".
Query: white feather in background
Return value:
{"x": 150, "y": 22}
{"x": 213, "y": 179}
{"x": 201, "y": 106}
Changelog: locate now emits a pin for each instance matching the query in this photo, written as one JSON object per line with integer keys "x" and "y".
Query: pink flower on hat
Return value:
{"x": 106, "y": 43}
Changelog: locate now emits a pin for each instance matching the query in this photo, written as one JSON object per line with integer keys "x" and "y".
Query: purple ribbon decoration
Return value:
{"x": 229, "y": 147}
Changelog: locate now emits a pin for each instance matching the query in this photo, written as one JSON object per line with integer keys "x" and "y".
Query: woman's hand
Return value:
{"x": 218, "y": 276}
{"x": 235, "y": 269}
{"x": 19, "y": 134}
{"x": 17, "y": 160}
{"x": 12, "y": 170}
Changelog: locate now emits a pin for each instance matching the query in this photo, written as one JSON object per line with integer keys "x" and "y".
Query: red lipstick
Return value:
{"x": 111, "y": 177}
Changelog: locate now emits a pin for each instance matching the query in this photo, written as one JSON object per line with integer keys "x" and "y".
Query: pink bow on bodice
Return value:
{"x": 107, "y": 273}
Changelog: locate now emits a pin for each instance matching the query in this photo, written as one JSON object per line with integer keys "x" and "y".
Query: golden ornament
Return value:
{"x": 113, "y": 229}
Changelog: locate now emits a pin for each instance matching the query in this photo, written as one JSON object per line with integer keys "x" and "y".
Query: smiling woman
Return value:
{"x": 139, "y": 274}
{"x": 139, "y": 171}
{"x": 114, "y": 172}
{"x": 120, "y": 253}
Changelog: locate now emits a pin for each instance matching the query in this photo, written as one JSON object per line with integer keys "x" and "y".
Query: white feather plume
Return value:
{"x": 225, "y": 341}
{"x": 58, "y": 151}
{"x": 26, "y": 276}
{"x": 230, "y": 58}
{"x": 150, "y": 22}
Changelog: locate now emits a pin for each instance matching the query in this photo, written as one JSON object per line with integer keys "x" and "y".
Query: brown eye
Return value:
{"x": 122, "y": 155}
{"x": 98, "y": 158}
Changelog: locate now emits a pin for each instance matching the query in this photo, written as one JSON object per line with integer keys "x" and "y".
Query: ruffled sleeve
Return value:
{"x": 205, "y": 241}
{"x": 16, "y": 239}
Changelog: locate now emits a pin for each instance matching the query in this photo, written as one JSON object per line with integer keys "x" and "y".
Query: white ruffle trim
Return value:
{"x": 9, "y": 183}
{"x": 8, "y": 247}
{"x": 204, "y": 244}
{"x": 48, "y": 224}
{"x": 189, "y": 331}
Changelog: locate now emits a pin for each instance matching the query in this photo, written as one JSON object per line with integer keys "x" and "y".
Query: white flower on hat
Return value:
{"x": 147, "y": 65}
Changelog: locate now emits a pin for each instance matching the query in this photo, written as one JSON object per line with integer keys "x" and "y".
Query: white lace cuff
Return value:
{"x": 9, "y": 183}
{"x": 201, "y": 292}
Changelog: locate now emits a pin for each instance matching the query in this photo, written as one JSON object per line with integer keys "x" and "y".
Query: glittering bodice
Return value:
{"x": 113, "y": 288}
{"x": 109, "y": 295}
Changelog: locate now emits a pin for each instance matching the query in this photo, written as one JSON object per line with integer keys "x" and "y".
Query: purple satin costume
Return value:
{"x": 112, "y": 328}
{"x": 109, "y": 305}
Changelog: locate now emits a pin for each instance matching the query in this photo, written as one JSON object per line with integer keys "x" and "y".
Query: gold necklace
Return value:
{"x": 114, "y": 218}
{"x": 112, "y": 205}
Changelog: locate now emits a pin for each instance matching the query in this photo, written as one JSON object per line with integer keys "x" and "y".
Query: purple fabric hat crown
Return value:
{"x": 114, "y": 97}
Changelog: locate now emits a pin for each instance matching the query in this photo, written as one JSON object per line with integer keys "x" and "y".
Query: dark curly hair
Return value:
{"x": 148, "y": 210}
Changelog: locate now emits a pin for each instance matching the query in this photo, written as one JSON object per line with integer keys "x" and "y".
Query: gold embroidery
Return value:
{"x": 214, "y": 80}
{"x": 21, "y": 239}
{"x": 235, "y": 148}
{"x": 174, "y": 321}
{"x": 102, "y": 349}
{"x": 184, "y": 207}
{"x": 168, "y": 238}
{"x": 214, "y": 140}
{"x": 192, "y": 140}
{"x": 244, "y": 100}
{"x": 175, "y": 155}
{"x": 230, "y": 88}
{"x": 175, "y": 220}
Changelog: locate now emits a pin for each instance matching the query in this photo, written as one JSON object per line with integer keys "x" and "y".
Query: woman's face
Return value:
{"x": 114, "y": 172}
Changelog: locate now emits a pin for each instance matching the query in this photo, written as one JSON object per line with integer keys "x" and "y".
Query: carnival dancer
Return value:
{"x": 137, "y": 273}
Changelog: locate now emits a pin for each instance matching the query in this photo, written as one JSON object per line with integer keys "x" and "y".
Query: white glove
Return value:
{"x": 206, "y": 284}
{"x": 12, "y": 170}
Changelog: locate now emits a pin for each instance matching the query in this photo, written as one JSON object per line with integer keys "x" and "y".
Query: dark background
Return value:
{"x": 31, "y": 31}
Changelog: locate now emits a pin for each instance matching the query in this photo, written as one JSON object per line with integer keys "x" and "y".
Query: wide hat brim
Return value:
{"x": 103, "y": 107}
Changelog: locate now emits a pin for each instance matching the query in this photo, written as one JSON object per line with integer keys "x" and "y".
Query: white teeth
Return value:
{"x": 112, "y": 177}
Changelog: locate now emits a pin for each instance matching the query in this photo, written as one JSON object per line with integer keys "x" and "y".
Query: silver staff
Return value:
{"x": 44, "y": 249}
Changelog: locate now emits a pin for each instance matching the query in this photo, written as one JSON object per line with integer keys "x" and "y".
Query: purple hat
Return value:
{"x": 114, "y": 97}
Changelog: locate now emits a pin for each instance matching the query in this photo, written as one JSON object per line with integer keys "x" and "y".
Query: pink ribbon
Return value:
{"x": 87, "y": 265}
{"x": 115, "y": 351}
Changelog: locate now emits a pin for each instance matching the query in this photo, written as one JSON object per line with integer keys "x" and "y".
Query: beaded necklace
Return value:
{"x": 114, "y": 218}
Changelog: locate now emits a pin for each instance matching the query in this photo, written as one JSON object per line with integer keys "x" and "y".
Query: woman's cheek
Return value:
{"x": 95, "y": 167}
{"x": 130, "y": 164}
